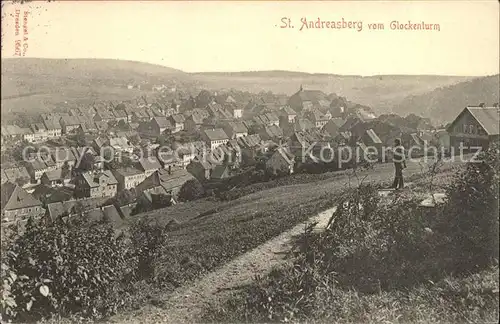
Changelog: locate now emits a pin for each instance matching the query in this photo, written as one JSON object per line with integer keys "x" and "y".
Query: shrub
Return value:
{"x": 191, "y": 190}
{"x": 72, "y": 267}
{"x": 148, "y": 241}
{"x": 471, "y": 214}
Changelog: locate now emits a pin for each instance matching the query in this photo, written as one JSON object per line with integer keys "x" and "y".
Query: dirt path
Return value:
{"x": 185, "y": 304}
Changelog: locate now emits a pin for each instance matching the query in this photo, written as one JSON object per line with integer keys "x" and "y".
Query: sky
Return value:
{"x": 246, "y": 35}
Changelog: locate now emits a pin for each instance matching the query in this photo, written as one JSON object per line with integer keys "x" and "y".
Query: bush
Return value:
{"x": 148, "y": 241}
{"x": 191, "y": 190}
{"x": 471, "y": 214}
{"x": 386, "y": 251}
{"x": 72, "y": 267}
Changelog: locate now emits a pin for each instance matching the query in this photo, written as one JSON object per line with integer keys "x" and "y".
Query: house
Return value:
{"x": 332, "y": 127}
{"x": 69, "y": 124}
{"x": 48, "y": 194}
{"x": 159, "y": 125}
{"x": 149, "y": 165}
{"x": 62, "y": 156}
{"x": 120, "y": 115}
{"x": 350, "y": 123}
{"x": 104, "y": 115}
{"x": 95, "y": 184}
{"x": 272, "y": 132}
{"x": 177, "y": 122}
{"x": 318, "y": 118}
{"x": 170, "y": 180}
{"x": 272, "y": 119}
{"x": 371, "y": 139}
{"x": 36, "y": 168}
{"x": 40, "y": 133}
{"x": 235, "y": 129}
{"x": 14, "y": 132}
{"x": 281, "y": 162}
{"x": 18, "y": 204}
{"x": 187, "y": 152}
{"x": 288, "y": 113}
{"x": 58, "y": 177}
{"x": 474, "y": 127}
{"x": 128, "y": 177}
{"x": 15, "y": 174}
{"x": 200, "y": 168}
{"x": 306, "y": 100}
{"x": 121, "y": 144}
{"x": 214, "y": 137}
{"x": 222, "y": 171}
{"x": 53, "y": 127}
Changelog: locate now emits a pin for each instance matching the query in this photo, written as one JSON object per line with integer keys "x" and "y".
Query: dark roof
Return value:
{"x": 149, "y": 163}
{"x": 15, "y": 197}
{"x": 14, "y": 173}
{"x": 162, "y": 122}
{"x": 487, "y": 117}
{"x": 237, "y": 127}
{"x": 373, "y": 136}
{"x": 216, "y": 134}
{"x": 103, "y": 176}
{"x": 274, "y": 131}
{"x": 57, "y": 174}
{"x": 288, "y": 110}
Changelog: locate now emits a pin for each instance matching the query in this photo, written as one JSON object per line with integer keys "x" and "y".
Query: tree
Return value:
{"x": 124, "y": 197}
{"x": 123, "y": 125}
{"x": 191, "y": 190}
{"x": 161, "y": 201}
{"x": 87, "y": 162}
{"x": 80, "y": 138}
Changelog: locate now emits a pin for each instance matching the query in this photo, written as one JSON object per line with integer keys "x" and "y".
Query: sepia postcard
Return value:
{"x": 250, "y": 161}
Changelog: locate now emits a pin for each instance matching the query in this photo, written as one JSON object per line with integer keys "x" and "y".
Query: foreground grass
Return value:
{"x": 470, "y": 299}
{"x": 212, "y": 233}
{"x": 390, "y": 261}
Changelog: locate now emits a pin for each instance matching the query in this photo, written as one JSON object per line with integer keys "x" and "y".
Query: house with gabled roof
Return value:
{"x": 318, "y": 118}
{"x": 272, "y": 132}
{"x": 177, "y": 122}
{"x": 120, "y": 114}
{"x": 149, "y": 165}
{"x": 40, "y": 133}
{"x": 159, "y": 125}
{"x": 332, "y": 127}
{"x": 128, "y": 177}
{"x": 69, "y": 124}
{"x": 235, "y": 129}
{"x": 57, "y": 177}
{"x": 214, "y": 137}
{"x": 105, "y": 115}
{"x": 53, "y": 127}
{"x": 14, "y": 173}
{"x": 62, "y": 156}
{"x": 18, "y": 204}
{"x": 200, "y": 168}
{"x": 304, "y": 100}
{"x": 474, "y": 127}
{"x": 282, "y": 161}
{"x": 101, "y": 183}
{"x": 170, "y": 180}
{"x": 288, "y": 114}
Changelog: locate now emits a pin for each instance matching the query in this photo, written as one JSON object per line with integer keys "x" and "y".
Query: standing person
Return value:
{"x": 399, "y": 164}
